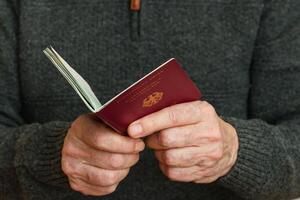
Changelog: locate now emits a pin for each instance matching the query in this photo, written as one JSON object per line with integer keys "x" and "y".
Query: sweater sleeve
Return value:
{"x": 268, "y": 163}
{"x": 31, "y": 149}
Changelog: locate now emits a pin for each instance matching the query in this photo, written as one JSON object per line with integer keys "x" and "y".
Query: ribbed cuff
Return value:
{"x": 39, "y": 150}
{"x": 250, "y": 172}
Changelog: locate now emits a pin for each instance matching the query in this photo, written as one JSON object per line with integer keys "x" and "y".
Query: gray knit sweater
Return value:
{"x": 243, "y": 54}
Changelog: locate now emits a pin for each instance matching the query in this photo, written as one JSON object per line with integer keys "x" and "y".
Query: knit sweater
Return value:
{"x": 244, "y": 56}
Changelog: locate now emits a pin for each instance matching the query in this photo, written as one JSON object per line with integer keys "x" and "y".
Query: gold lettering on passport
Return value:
{"x": 152, "y": 99}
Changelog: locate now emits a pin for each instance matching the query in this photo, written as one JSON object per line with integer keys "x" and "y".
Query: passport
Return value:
{"x": 166, "y": 85}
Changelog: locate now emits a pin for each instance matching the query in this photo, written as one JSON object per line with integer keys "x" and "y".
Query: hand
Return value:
{"x": 95, "y": 158}
{"x": 191, "y": 142}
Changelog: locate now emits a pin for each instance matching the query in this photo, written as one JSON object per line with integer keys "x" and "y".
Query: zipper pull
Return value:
{"x": 135, "y": 5}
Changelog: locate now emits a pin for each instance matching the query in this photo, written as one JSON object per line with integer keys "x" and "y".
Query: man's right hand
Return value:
{"x": 96, "y": 158}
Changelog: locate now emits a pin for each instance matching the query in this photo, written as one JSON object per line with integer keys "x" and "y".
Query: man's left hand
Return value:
{"x": 191, "y": 142}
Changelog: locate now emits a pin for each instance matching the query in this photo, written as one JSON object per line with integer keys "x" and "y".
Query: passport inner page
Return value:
{"x": 81, "y": 87}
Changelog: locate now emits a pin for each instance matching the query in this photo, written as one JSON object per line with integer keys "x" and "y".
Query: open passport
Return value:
{"x": 166, "y": 85}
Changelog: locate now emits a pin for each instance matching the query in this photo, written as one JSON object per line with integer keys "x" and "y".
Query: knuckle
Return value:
{"x": 168, "y": 157}
{"x": 217, "y": 154}
{"x": 207, "y": 108}
{"x": 110, "y": 189}
{"x": 204, "y": 173}
{"x": 92, "y": 155}
{"x": 215, "y": 134}
{"x": 147, "y": 123}
{"x": 95, "y": 178}
{"x": 131, "y": 147}
{"x": 198, "y": 103}
{"x": 97, "y": 139}
{"x": 77, "y": 124}
{"x": 187, "y": 157}
{"x": 67, "y": 168}
{"x": 76, "y": 186}
{"x": 116, "y": 161}
{"x": 211, "y": 164}
{"x": 110, "y": 178}
{"x": 196, "y": 106}
{"x": 171, "y": 173}
{"x": 68, "y": 149}
{"x": 91, "y": 178}
{"x": 164, "y": 138}
{"x": 172, "y": 115}
{"x": 80, "y": 119}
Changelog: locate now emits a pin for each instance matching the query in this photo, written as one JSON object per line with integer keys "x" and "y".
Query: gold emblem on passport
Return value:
{"x": 152, "y": 99}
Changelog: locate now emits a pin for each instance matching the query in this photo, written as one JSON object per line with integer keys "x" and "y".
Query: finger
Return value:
{"x": 97, "y": 135}
{"x": 113, "y": 161}
{"x": 183, "y": 136}
{"x": 81, "y": 186}
{"x": 153, "y": 142}
{"x": 180, "y": 174}
{"x": 186, "y": 157}
{"x": 207, "y": 179}
{"x": 190, "y": 174}
{"x": 203, "y": 163}
{"x": 93, "y": 175}
{"x": 98, "y": 158}
{"x": 176, "y": 115}
{"x": 102, "y": 159}
{"x": 103, "y": 177}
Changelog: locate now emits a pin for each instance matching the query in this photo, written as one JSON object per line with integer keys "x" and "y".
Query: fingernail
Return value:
{"x": 139, "y": 146}
{"x": 135, "y": 130}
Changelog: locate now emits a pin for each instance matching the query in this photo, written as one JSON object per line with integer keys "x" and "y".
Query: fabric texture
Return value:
{"x": 243, "y": 55}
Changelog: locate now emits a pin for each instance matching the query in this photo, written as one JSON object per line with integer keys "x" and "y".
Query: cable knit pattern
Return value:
{"x": 43, "y": 157}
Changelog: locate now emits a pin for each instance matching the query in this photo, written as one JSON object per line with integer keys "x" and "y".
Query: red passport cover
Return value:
{"x": 167, "y": 85}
